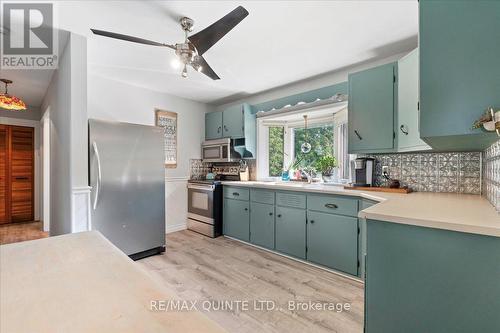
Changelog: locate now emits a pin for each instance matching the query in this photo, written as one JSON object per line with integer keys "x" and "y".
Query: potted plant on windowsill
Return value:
{"x": 326, "y": 164}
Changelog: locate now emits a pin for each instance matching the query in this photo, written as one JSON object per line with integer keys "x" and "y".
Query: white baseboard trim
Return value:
{"x": 176, "y": 227}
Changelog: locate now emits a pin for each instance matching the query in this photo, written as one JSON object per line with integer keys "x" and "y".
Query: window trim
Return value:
{"x": 338, "y": 119}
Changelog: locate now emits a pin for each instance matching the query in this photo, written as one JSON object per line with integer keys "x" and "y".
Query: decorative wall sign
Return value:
{"x": 168, "y": 120}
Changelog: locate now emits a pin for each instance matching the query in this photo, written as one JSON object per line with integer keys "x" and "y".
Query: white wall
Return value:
{"x": 309, "y": 84}
{"x": 31, "y": 113}
{"x": 66, "y": 100}
{"x": 110, "y": 99}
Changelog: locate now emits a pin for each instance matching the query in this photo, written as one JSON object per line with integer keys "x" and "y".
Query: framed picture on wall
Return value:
{"x": 168, "y": 120}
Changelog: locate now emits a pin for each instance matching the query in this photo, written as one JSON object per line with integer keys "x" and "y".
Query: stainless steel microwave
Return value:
{"x": 220, "y": 150}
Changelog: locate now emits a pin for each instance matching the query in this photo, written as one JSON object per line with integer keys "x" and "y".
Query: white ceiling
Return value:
{"x": 280, "y": 42}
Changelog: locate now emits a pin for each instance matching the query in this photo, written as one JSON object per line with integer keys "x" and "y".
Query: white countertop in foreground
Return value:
{"x": 449, "y": 211}
{"x": 82, "y": 283}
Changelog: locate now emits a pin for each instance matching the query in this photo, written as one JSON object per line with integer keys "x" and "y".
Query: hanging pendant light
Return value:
{"x": 10, "y": 102}
{"x": 306, "y": 146}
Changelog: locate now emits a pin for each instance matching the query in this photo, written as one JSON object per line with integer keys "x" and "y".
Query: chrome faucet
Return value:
{"x": 309, "y": 176}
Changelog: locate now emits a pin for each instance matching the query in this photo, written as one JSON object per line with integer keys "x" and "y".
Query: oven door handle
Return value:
{"x": 209, "y": 188}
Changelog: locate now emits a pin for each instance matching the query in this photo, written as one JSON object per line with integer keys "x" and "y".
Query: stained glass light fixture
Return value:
{"x": 10, "y": 102}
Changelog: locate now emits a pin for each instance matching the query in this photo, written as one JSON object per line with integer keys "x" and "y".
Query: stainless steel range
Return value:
{"x": 205, "y": 207}
{"x": 205, "y": 200}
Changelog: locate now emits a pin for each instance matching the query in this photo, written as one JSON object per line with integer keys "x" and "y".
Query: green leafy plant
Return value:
{"x": 325, "y": 164}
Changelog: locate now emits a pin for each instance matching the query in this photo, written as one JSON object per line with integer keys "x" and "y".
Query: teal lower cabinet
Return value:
{"x": 262, "y": 224}
{"x": 363, "y": 204}
{"x": 291, "y": 231}
{"x": 236, "y": 219}
{"x": 429, "y": 280}
{"x": 332, "y": 241}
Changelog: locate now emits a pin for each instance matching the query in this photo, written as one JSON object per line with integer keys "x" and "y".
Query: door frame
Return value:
{"x": 37, "y": 182}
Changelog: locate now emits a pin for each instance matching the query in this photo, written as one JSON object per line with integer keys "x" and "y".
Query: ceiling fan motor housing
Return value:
{"x": 187, "y": 24}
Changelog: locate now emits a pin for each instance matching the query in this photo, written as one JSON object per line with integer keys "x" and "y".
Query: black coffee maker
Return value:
{"x": 363, "y": 171}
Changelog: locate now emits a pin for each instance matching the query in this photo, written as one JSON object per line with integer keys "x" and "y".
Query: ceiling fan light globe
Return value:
{"x": 175, "y": 63}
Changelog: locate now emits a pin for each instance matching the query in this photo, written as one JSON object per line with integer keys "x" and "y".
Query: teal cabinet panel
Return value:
{"x": 236, "y": 219}
{"x": 213, "y": 125}
{"x": 233, "y": 122}
{"x": 262, "y": 224}
{"x": 408, "y": 131}
{"x": 459, "y": 71}
{"x": 363, "y": 204}
{"x": 429, "y": 280}
{"x": 332, "y": 241}
{"x": 236, "y": 193}
{"x": 333, "y": 204}
{"x": 291, "y": 231}
{"x": 371, "y": 109}
{"x": 291, "y": 199}
{"x": 250, "y": 132}
{"x": 262, "y": 196}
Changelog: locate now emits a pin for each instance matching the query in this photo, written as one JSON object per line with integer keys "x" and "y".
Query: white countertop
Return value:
{"x": 449, "y": 211}
{"x": 83, "y": 283}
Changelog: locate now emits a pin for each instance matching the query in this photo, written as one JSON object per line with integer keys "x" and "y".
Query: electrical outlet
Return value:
{"x": 385, "y": 169}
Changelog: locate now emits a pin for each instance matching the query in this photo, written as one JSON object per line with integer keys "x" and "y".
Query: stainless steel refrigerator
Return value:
{"x": 127, "y": 176}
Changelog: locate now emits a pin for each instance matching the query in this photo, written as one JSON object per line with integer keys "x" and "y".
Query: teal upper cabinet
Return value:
{"x": 213, "y": 125}
{"x": 236, "y": 122}
{"x": 408, "y": 127}
{"x": 371, "y": 109}
{"x": 233, "y": 126}
{"x": 459, "y": 71}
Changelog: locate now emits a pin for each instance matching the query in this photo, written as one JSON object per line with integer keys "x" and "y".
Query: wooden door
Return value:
{"x": 4, "y": 168}
{"x": 22, "y": 173}
{"x": 17, "y": 174}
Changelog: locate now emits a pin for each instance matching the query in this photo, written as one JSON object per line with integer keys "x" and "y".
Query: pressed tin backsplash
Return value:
{"x": 491, "y": 174}
{"x": 432, "y": 172}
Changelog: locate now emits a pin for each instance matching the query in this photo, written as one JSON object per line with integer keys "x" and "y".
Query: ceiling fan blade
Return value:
{"x": 206, "y": 69}
{"x": 129, "y": 38}
{"x": 206, "y": 38}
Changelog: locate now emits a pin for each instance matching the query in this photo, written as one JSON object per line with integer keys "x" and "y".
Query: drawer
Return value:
{"x": 237, "y": 193}
{"x": 291, "y": 199}
{"x": 333, "y": 204}
{"x": 262, "y": 196}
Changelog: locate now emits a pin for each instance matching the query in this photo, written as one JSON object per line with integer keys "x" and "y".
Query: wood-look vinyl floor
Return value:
{"x": 21, "y": 231}
{"x": 198, "y": 268}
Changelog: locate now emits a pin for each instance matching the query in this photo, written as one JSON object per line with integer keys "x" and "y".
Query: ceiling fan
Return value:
{"x": 191, "y": 52}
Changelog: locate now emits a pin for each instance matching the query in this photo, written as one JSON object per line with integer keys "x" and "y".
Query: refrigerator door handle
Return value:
{"x": 98, "y": 183}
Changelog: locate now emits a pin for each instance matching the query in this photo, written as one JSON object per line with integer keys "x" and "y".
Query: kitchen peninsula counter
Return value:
{"x": 83, "y": 283}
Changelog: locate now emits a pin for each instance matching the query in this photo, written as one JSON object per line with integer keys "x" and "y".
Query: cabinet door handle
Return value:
{"x": 279, "y": 215}
{"x": 270, "y": 214}
{"x": 219, "y": 129}
{"x": 246, "y": 209}
{"x": 236, "y": 194}
{"x": 312, "y": 221}
{"x": 22, "y": 178}
{"x": 404, "y": 129}
{"x": 357, "y": 134}
{"x": 225, "y": 128}
{"x": 332, "y": 206}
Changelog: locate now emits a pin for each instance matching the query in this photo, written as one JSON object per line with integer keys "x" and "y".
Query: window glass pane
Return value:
{"x": 276, "y": 151}
{"x": 321, "y": 140}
